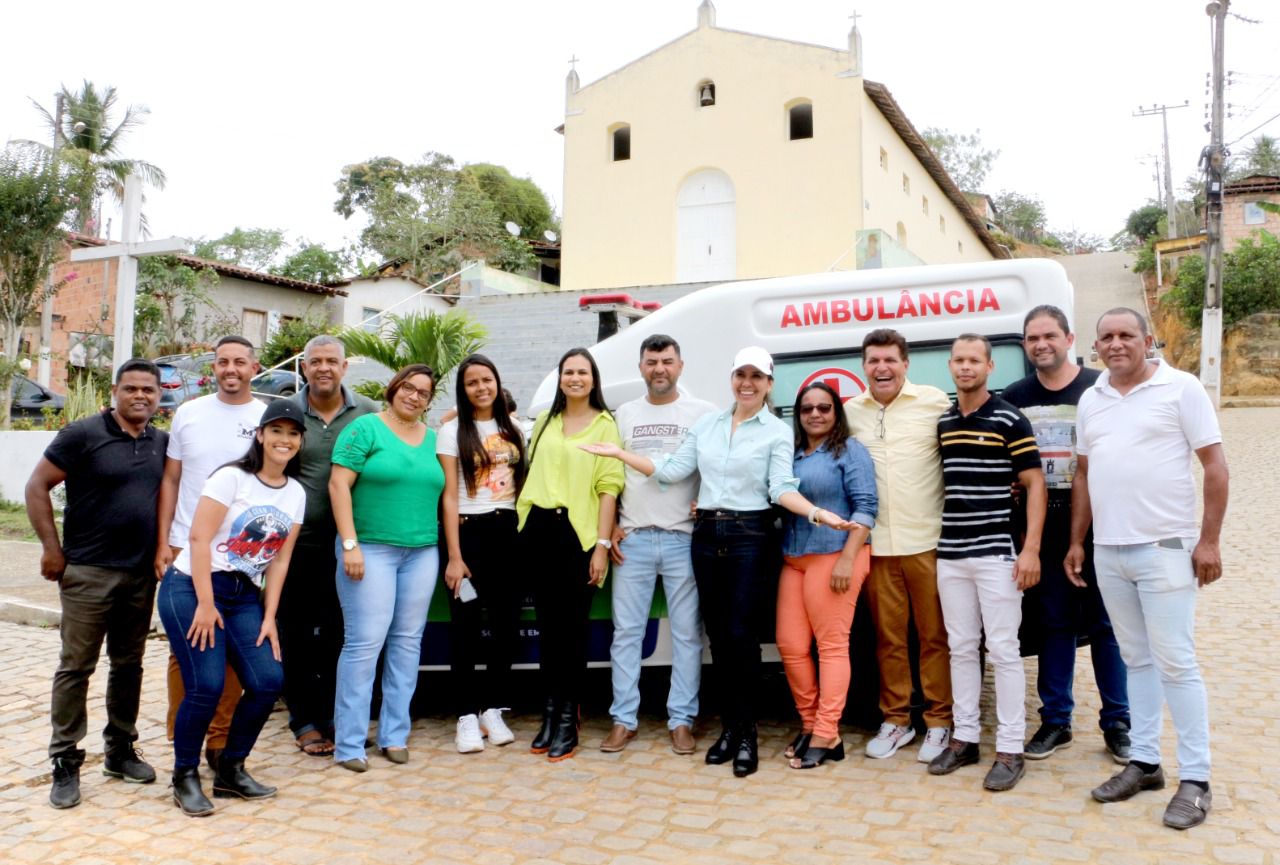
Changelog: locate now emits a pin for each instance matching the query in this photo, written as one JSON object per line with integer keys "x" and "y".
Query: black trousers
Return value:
{"x": 309, "y": 621}
{"x": 562, "y": 599}
{"x": 485, "y": 628}
{"x": 97, "y": 604}
{"x": 735, "y": 560}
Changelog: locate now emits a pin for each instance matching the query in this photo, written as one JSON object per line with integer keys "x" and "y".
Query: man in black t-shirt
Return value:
{"x": 112, "y": 464}
{"x": 986, "y": 445}
{"x": 1065, "y": 605}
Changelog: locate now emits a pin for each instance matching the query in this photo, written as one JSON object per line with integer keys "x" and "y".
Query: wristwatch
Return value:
{"x": 606, "y": 543}
{"x": 349, "y": 544}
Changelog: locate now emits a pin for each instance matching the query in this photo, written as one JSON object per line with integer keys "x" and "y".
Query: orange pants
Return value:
{"x": 221, "y": 723}
{"x": 809, "y": 610}
{"x": 902, "y": 589}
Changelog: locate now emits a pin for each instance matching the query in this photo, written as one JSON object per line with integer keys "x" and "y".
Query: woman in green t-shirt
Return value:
{"x": 566, "y": 510}
{"x": 385, "y": 487}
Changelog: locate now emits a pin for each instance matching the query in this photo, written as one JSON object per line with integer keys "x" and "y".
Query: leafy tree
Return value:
{"x": 171, "y": 298}
{"x": 313, "y": 263}
{"x": 430, "y": 216}
{"x": 1260, "y": 157}
{"x": 963, "y": 155}
{"x": 254, "y": 248}
{"x": 1250, "y": 281}
{"x": 518, "y": 199}
{"x": 1075, "y": 242}
{"x": 34, "y": 201}
{"x": 1022, "y": 216}
{"x": 91, "y": 145}
{"x": 292, "y": 337}
{"x": 439, "y": 341}
{"x": 1144, "y": 222}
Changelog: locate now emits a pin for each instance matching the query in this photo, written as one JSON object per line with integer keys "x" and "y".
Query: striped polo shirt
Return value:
{"x": 982, "y": 454}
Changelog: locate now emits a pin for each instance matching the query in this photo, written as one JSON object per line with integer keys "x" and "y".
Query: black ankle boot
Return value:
{"x": 187, "y": 793}
{"x": 542, "y": 741}
{"x": 233, "y": 780}
{"x": 746, "y": 757}
{"x": 565, "y": 738}
{"x": 724, "y": 748}
{"x": 66, "y": 779}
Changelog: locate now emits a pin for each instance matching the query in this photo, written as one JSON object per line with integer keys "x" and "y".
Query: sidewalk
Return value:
{"x": 647, "y": 805}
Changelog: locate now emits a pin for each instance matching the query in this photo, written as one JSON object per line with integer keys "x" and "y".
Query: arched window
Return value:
{"x": 620, "y": 141}
{"x": 706, "y": 93}
{"x": 800, "y": 119}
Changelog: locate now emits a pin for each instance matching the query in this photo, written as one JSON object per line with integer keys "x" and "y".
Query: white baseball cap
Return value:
{"x": 754, "y": 355}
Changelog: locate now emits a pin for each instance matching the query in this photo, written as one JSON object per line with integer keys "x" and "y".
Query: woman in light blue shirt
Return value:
{"x": 823, "y": 572}
{"x": 743, "y": 457}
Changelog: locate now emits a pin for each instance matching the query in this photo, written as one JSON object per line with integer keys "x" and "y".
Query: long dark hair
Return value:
{"x": 595, "y": 399}
{"x": 471, "y": 451}
{"x": 839, "y": 433}
{"x": 254, "y": 459}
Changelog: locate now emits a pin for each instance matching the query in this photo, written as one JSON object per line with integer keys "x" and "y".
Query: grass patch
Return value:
{"x": 14, "y": 525}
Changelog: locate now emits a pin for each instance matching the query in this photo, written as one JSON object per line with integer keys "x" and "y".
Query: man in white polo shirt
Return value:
{"x": 1137, "y": 428}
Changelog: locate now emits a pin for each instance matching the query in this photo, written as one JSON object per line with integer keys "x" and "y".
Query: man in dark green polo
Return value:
{"x": 309, "y": 618}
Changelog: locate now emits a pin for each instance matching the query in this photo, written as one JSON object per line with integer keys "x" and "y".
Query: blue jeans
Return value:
{"x": 204, "y": 670}
{"x": 1064, "y": 608}
{"x": 649, "y": 552}
{"x": 387, "y": 607}
{"x": 1150, "y": 593}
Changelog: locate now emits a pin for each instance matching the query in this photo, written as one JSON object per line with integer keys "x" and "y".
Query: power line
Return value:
{"x": 1255, "y": 129}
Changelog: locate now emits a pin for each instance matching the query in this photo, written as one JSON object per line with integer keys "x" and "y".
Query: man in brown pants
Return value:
{"x": 898, "y": 423}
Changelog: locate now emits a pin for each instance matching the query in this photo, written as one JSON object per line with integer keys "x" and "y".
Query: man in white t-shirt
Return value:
{"x": 653, "y": 535}
{"x": 207, "y": 432}
{"x": 1136, "y": 430}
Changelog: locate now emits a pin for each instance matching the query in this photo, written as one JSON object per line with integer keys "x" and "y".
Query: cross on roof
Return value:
{"x": 573, "y": 62}
{"x": 854, "y": 17}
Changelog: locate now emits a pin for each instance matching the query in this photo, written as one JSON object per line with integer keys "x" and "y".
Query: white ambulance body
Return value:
{"x": 813, "y": 326}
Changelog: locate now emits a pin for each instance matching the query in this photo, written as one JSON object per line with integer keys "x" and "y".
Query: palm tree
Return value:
{"x": 439, "y": 341}
{"x": 90, "y": 144}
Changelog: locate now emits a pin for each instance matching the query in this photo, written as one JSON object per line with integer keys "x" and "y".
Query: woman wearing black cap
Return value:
{"x": 241, "y": 538}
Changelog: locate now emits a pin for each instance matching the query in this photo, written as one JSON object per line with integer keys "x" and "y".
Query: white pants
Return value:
{"x": 980, "y": 595}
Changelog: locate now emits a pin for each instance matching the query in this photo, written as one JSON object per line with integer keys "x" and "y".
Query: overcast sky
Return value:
{"x": 255, "y": 107}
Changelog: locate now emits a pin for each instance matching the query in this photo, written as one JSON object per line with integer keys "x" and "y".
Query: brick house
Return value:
{"x": 1241, "y": 215}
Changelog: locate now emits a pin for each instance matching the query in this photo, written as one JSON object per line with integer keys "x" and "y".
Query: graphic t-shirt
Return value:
{"x": 206, "y": 433}
{"x": 656, "y": 431}
{"x": 1053, "y": 417}
{"x": 256, "y": 525}
{"x": 496, "y": 482}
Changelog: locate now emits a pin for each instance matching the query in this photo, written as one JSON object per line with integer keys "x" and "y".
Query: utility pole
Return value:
{"x": 1170, "y": 204}
{"x": 1214, "y": 161}
{"x": 44, "y": 361}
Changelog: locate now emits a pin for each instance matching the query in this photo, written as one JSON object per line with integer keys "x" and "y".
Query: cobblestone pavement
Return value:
{"x": 648, "y": 805}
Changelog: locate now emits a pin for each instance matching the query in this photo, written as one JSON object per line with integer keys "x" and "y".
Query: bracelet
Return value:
{"x": 813, "y": 515}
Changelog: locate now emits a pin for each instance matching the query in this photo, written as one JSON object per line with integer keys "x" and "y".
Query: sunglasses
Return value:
{"x": 821, "y": 408}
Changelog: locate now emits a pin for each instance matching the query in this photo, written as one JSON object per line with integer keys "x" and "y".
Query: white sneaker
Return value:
{"x": 889, "y": 740}
{"x": 468, "y": 739}
{"x": 936, "y": 740}
{"x": 492, "y": 725}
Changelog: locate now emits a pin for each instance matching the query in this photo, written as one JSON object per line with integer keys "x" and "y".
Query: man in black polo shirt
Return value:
{"x": 1063, "y": 604}
{"x": 986, "y": 445}
{"x": 112, "y": 464}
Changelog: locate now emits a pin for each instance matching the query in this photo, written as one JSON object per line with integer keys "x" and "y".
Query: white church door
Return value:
{"x": 706, "y": 228}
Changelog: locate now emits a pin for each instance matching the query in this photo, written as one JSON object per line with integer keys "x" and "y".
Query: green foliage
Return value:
{"x": 1145, "y": 221}
{"x": 1250, "y": 283}
{"x": 84, "y": 399}
{"x": 432, "y": 216}
{"x": 518, "y": 199}
{"x": 1022, "y": 216}
{"x": 292, "y": 336}
{"x": 1145, "y": 260}
{"x": 1005, "y": 240}
{"x": 440, "y": 341}
{"x": 1052, "y": 242}
{"x": 313, "y": 263}
{"x": 171, "y": 298}
{"x": 34, "y": 200}
{"x": 1075, "y": 242}
{"x": 254, "y": 248}
{"x": 1260, "y": 157}
{"x": 963, "y": 156}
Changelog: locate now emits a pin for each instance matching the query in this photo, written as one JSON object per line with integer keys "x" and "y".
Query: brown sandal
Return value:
{"x": 314, "y": 743}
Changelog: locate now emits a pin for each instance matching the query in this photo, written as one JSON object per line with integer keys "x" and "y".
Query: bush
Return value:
{"x": 1145, "y": 261}
{"x": 1251, "y": 281}
{"x": 292, "y": 336}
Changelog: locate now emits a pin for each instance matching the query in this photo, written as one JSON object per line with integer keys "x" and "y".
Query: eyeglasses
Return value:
{"x": 410, "y": 390}
{"x": 823, "y": 408}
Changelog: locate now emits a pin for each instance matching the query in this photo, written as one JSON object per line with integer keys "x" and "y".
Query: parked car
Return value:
{"x": 272, "y": 383}
{"x": 30, "y": 399}
{"x": 276, "y": 383}
{"x": 177, "y": 385}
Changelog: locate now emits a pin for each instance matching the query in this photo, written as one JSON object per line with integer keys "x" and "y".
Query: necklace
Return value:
{"x": 407, "y": 424}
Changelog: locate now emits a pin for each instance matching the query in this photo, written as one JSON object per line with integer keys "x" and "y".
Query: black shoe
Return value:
{"x": 1188, "y": 807}
{"x": 1005, "y": 772}
{"x": 722, "y": 751}
{"x": 187, "y": 793}
{"x": 1117, "y": 741}
{"x": 798, "y": 746}
{"x": 127, "y": 764}
{"x": 957, "y": 754}
{"x": 1130, "y": 781}
{"x": 211, "y": 756}
{"x": 564, "y": 741}
{"x": 232, "y": 780}
{"x": 813, "y": 757}
{"x": 66, "y": 779}
{"x": 746, "y": 758}
{"x": 542, "y": 741}
{"x": 1048, "y": 739}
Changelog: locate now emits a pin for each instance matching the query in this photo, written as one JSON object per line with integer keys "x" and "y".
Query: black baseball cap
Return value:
{"x": 283, "y": 409}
